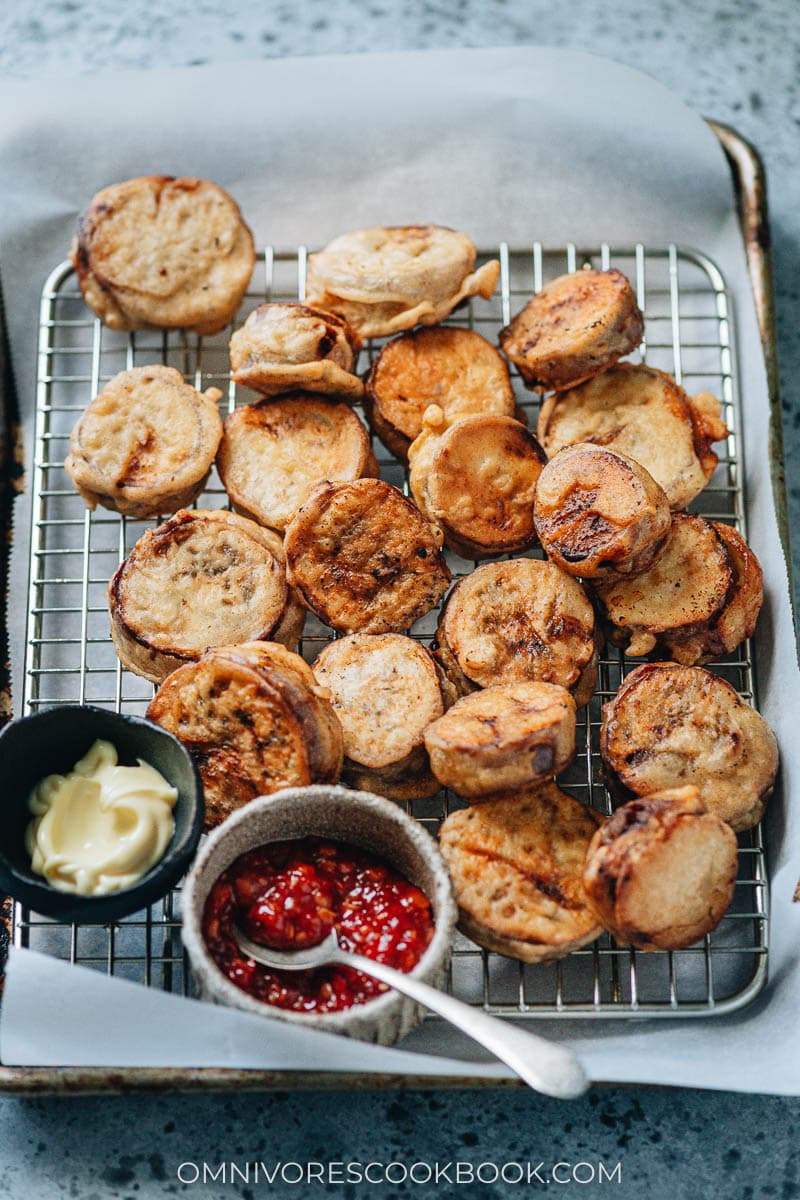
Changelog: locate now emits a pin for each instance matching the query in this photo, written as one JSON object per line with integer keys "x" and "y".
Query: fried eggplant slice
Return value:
{"x": 516, "y": 862}
{"x": 285, "y": 347}
{"x": 669, "y": 609}
{"x": 476, "y": 480}
{"x": 599, "y": 514}
{"x": 454, "y": 368}
{"x": 254, "y": 721}
{"x": 519, "y": 621}
{"x": 386, "y": 689}
{"x": 645, "y": 414}
{"x": 515, "y": 735}
{"x": 160, "y": 252}
{"x": 660, "y": 872}
{"x": 364, "y": 559}
{"x": 203, "y": 578}
{"x": 273, "y": 454}
{"x": 669, "y": 726}
{"x": 386, "y": 279}
{"x": 577, "y": 326}
{"x": 145, "y": 444}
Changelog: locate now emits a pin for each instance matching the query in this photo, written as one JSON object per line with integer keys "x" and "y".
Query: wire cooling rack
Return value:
{"x": 689, "y": 331}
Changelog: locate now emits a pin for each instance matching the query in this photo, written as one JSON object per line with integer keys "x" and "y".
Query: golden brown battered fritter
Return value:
{"x": 670, "y": 725}
{"x": 515, "y": 621}
{"x": 273, "y": 454}
{"x": 515, "y": 735}
{"x": 599, "y": 514}
{"x": 698, "y": 601}
{"x": 364, "y": 559}
{"x": 575, "y": 327}
{"x": 476, "y": 479}
{"x": 254, "y": 721}
{"x": 454, "y": 368}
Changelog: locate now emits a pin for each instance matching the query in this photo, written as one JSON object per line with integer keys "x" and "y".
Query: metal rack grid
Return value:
{"x": 689, "y": 331}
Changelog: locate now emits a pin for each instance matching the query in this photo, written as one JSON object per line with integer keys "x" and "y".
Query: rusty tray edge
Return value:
{"x": 749, "y": 180}
{"x": 750, "y": 185}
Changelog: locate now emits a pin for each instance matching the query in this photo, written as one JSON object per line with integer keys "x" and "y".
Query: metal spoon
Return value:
{"x": 546, "y": 1066}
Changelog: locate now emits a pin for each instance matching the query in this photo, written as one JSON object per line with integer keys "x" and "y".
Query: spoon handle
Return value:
{"x": 547, "y": 1067}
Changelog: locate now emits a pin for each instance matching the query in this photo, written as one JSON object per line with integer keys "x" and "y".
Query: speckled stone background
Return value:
{"x": 736, "y": 60}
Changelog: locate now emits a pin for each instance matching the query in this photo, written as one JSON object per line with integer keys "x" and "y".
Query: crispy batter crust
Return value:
{"x": 477, "y": 481}
{"x": 516, "y": 862}
{"x": 164, "y": 252}
{"x": 282, "y": 347}
{"x": 599, "y": 514}
{"x": 385, "y": 689}
{"x": 645, "y": 414}
{"x": 660, "y": 872}
{"x": 670, "y": 609}
{"x": 515, "y": 735}
{"x": 273, "y": 454}
{"x": 575, "y": 327}
{"x": 363, "y": 557}
{"x": 520, "y": 620}
{"x": 322, "y": 730}
{"x": 739, "y": 618}
{"x": 145, "y": 445}
{"x": 253, "y": 720}
{"x": 670, "y": 725}
{"x": 203, "y": 578}
{"x": 386, "y": 279}
{"x": 454, "y": 368}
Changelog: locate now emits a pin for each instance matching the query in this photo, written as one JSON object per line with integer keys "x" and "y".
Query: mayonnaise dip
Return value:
{"x": 101, "y": 827}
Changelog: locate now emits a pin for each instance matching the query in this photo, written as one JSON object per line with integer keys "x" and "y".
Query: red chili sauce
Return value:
{"x": 289, "y": 895}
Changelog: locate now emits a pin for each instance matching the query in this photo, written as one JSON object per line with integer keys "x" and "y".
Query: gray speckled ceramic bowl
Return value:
{"x": 364, "y": 820}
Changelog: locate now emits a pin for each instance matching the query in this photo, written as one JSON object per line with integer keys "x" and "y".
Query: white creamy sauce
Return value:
{"x": 101, "y": 827}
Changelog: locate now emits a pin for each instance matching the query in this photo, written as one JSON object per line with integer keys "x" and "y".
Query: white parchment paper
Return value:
{"x": 507, "y": 144}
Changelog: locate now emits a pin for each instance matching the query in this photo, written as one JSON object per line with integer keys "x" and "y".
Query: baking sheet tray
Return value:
{"x": 689, "y": 332}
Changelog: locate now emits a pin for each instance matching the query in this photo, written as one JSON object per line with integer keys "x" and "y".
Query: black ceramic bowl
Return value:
{"x": 51, "y": 742}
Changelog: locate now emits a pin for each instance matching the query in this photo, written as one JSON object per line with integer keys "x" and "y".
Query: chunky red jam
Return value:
{"x": 289, "y": 895}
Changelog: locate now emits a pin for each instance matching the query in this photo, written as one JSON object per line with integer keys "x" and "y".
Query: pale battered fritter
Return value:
{"x": 660, "y": 872}
{"x": 145, "y": 445}
{"x": 282, "y": 347}
{"x": 203, "y": 578}
{"x": 645, "y": 414}
{"x": 386, "y": 689}
{"x": 163, "y": 252}
{"x": 389, "y": 278}
{"x": 516, "y": 862}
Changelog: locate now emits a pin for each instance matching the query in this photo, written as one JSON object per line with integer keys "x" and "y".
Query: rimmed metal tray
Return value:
{"x": 689, "y": 331}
